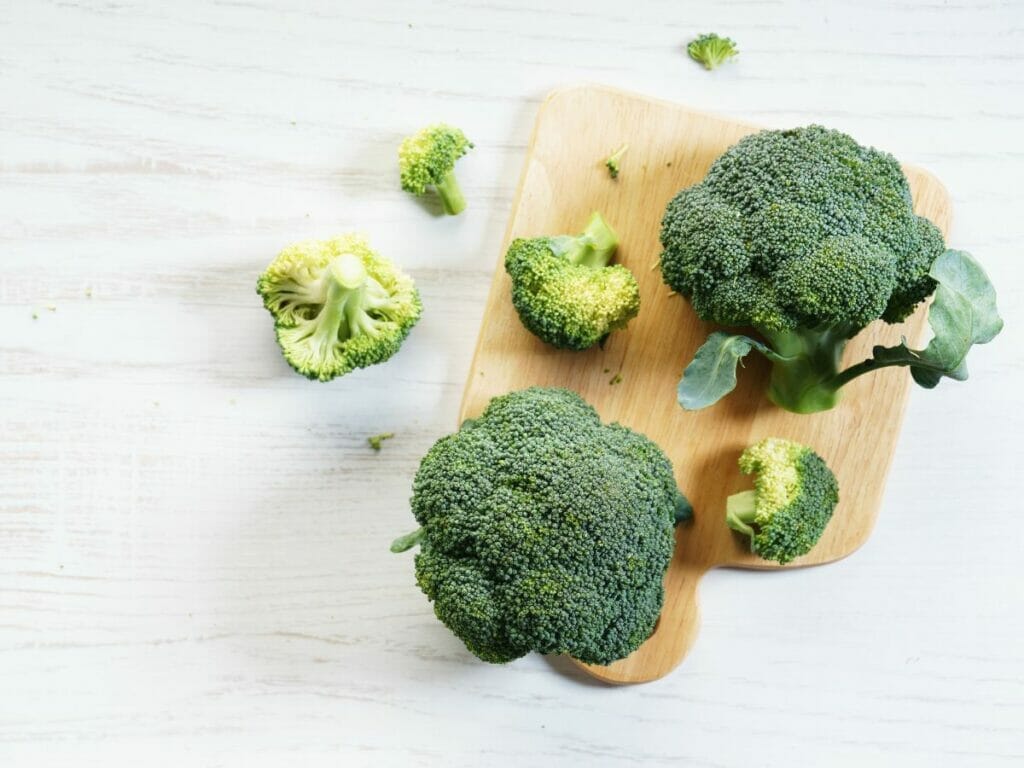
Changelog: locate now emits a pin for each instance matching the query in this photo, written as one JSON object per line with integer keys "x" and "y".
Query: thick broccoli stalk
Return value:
{"x": 792, "y": 501}
{"x": 564, "y": 290}
{"x": 337, "y": 306}
{"x": 807, "y": 237}
{"x": 543, "y": 529}
{"x": 711, "y": 50}
{"x": 427, "y": 159}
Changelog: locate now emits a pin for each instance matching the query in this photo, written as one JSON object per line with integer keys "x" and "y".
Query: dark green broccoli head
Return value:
{"x": 427, "y": 159}
{"x": 337, "y": 305}
{"x": 792, "y": 501}
{"x": 564, "y": 290}
{"x": 545, "y": 530}
{"x": 802, "y": 228}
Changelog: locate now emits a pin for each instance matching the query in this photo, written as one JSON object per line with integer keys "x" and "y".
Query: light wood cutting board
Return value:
{"x": 671, "y": 147}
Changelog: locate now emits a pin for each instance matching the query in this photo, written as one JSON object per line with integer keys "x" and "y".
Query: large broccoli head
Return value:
{"x": 564, "y": 290}
{"x": 792, "y": 501}
{"x": 801, "y": 228}
{"x": 337, "y": 305}
{"x": 545, "y": 530}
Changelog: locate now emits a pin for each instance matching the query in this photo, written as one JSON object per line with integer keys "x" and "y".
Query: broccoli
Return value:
{"x": 711, "y": 50}
{"x": 792, "y": 501}
{"x": 564, "y": 290}
{"x": 374, "y": 441}
{"x": 612, "y": 163}
{"x": 428, "y": 158}
{"x": 543, "y": 529}
{"x": 337, "y": 305}
{"x": 808, "y": 237}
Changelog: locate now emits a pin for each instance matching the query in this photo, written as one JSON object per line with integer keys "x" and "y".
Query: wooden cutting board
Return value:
{"x": 671, "y": 147}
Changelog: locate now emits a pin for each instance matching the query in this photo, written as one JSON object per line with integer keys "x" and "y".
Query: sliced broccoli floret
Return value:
{"x": 711, "y": 50}
{"x": 807, "y": 236}
{"x": 427, "y": 159}
{"x": 543, "y": 529}
{"x": 612, "y": 163}
{"x": 564, "y": 290}
{"x": 792, "y": 501}
{"x": 337, "y": 305}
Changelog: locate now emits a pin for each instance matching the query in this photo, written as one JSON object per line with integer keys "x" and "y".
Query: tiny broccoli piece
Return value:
{"x": 376, "y": 440}
{"x": 792, "y": 501}
{"x": 564, "y": 290}
{"x": 711, "y": 50}
{"x": 428, "y": 159}
{"x": 612, "y": 163}
{"x": 543, "y": 529}
{"x": 337, "y": 305}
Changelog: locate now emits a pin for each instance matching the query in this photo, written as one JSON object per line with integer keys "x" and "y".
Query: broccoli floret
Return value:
{"x": 792, "y": 501}
{"x": 806, "y": 236}
{"x": 428, "y": 159}
{"x": 612, "y": 163}
{"x": 337, "y": 305}
{"x": 374, "y": 441}
{"x": 564, "y": 290}
{"x": 543, "y": 529}
{"x": 711, "y": 50}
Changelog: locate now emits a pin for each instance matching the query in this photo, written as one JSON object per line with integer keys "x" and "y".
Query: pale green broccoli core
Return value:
{"x": 741, "y": 511}
{"x": 593, "y": 248}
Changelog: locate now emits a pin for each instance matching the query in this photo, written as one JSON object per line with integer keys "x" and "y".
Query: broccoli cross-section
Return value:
{"x": 427, "y": 159}
{"x": 564, "y": 289}
{"x": 337, "y": 305}
{"x": 543, "y": 529}
{"x": 792, "y": 501}
{"x": 711, "y": 50}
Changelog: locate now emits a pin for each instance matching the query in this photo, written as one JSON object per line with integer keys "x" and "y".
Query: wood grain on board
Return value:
{"x": 671, "y": 147}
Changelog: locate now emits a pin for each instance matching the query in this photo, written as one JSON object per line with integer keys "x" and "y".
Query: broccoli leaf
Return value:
{"x": 963, "y": 314}
{"x": 711, "y": 375}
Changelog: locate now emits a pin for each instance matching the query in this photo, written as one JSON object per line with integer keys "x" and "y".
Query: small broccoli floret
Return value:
{"x": 337, "y": 305}
{"x": 806, "y": 236}
{"x": 564, "y": 290}
{"x": 543, "y": 529}
{"x": 612, "y": 163}
{"x": 711, "y": 50}
{"x": 427, "y": 159}
{"x": 792, "y": 501}
{"x": 375, "y": 441}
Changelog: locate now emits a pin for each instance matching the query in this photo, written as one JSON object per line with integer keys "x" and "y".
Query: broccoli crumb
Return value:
{"x": 88, "y": 292}
{"x": 52, "y": 307}
{"x": 376, "y": 440}
{"x": 612, "y": 163}
{"x": 615, "y": 380}
{"x": 35, "y": 315}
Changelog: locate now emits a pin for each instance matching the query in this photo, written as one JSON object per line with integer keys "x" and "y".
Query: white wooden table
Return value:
{"x": 194, "y": 564}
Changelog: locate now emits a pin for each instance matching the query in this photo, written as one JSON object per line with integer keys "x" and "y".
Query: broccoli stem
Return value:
{"x": 594, "y": 247}
{"x": 684, "y": 510}
{"x": 805, "y": 368}
{"x": 408, "y": 541}
{"x": 451, "y": 194}
{"x": 740, "y": 511}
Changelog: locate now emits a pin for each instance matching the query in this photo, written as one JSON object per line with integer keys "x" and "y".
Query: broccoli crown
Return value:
{"x": 544, "y": 529}
{"x": 337, "y": 305}
{"x": 802, "y": 228}
{"x": 711, "y": 50}
{"x": 564, "y": 290}
{"x": 427, "y": 158}
{"x": 793, "y": 499}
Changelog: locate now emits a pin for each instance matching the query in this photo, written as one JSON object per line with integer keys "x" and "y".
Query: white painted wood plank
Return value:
{"x": 193, "y": 540}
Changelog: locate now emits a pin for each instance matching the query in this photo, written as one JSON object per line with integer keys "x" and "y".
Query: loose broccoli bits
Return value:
{"x": 792, "y": 501}
{"x": 564, "y": 290}
{"x": 711, "y": 50}
{"x": 545, "y": 530}
{"x": 337, "y": 305}
{"x": 427, "y": 159}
